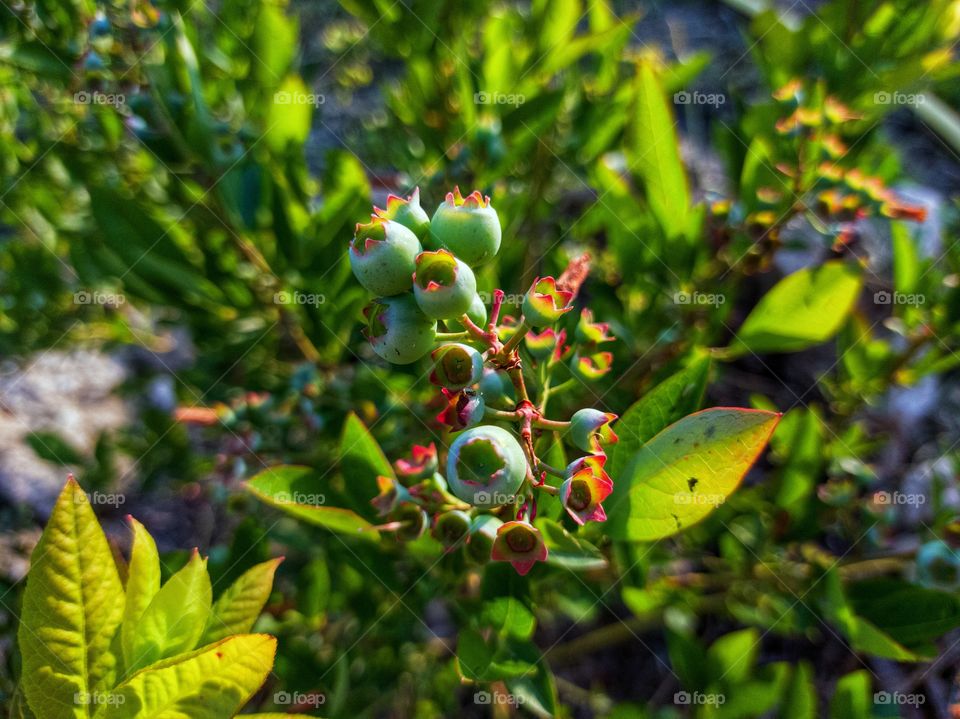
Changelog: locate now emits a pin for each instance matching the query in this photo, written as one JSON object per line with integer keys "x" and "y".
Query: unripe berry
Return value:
{"x": 544, "y": 303}
{"x": 496, "y": 388}
{"x": 477, "y": 314}
{"x": 467, "y": 226}
{"x": 392, "y": 493}
{"x": 443, "y": 285}
{"x": 519, "y": 543}
{"x": 585, "y": 487}
{"x": 486, "y": 466}
{"x": 456, "y": 366}
{"x": 464, "y": 409}
{"x": 413, "y": 521}
{"x": 397, "y": 330}
{"x": 422, "y": 463}
{"x": 451, "y": 528}
{"x": 590, "y": 332}
{"x": 382, "y": 256}
{"x": 592, "y": 367}
{"x": 590, "y": 430}
{"x": 407, "y": 212}
{"x": 483, "y": 533}
{"x": 541, "y": 345}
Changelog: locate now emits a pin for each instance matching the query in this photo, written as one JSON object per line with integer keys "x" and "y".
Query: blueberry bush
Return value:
{"x": 656, "y": 418}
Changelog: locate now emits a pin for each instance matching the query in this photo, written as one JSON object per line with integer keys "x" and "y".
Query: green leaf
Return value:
{"x": 681, "y": 475}
{"x": 281, "y": 487}
{"x": 734, "y": 655}
{"x": 569, "y": 551}
{"x": 852, "y": 697}
{"x": 238, "y": 608}
{"x": 536, "y": 687}
{"x": 72, "y": 609}
{"x": 800, "y": 701}
{"x": 175, "y": 619}
{"x": 862, "y": 634}
{"x": 211, "y": 683}
{"x": 361, "y": 462}
{"x": 906, "y": 262}
{"x": 654, "y": 153}
{"x": 508, "y": 616}
{"x": 143, "y": 583}
{"x": 910, "y": 614}
{"x": 671, "y": 400}
{"x": 482, "y": 661}
{"x": 802, "y": 310}
{"x": 288, "y": 121}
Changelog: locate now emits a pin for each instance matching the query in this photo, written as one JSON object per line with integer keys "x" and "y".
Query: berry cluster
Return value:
{"x": 486, "y": 499}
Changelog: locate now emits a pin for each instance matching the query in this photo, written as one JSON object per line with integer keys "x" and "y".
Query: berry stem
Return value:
{"x": 544, "y": 423}
{"x": 549, "y": 469}
{"x": 452, "y": 336}
{"x": 511, "y": 344}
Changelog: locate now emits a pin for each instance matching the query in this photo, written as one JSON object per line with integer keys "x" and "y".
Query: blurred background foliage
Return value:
{"x": 174, "y": 175}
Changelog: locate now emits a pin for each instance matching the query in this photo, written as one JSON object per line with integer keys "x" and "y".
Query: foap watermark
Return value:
{"x": 714, "y": 99}
{"x": 498, "y": 98}
{"x": 497, "y": 698}
{"x": 899, "y": 98}
{"x": 883, "y": 297}
{"x": 99, "y": 98}
{"x": 700, "y": 698}
{"x": 899, "y": 699}
{"x": 714, "y": 299}
{"x": 110, "y": 299}
{"x": 285, "y": 97}
{"x": 899, "y": 498}
{"x": 314, "y": 299}
{"x": 106, "y": 499}
{"x": 300, "y": 498}
{"x": 509, "y": 299}
{"x": 98, "y": 699}
{"x": 484, "y": 498}
{"x": 299, "y": 699}
{"x": 710, "y": 500}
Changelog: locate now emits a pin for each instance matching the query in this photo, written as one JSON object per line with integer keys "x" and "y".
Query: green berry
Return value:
{"x": 407, "y": 212}
{"x": 477, "y": 314}
{"x": 497, "y": 388}
{"x": 486, "y": 466}
{"x": 443, "y": 285}
{"x": 382, "y": 256}
{"x": 450, "y": 528}
{"x": 467, "y": 226}
{"x": 456, "y": 366}
{"x": 397, "y": 329}
{"x": 590, "y": 430}
{"x": 483, "y": 533}
{"x": 545, "y": 303}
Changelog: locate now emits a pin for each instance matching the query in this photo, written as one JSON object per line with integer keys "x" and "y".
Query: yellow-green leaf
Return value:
{"x": 682, "y": 474}
{"x": 801, "y": 310}
{"x": 72, "y": 608}
{"x": 210, "y": 683}
{"x": 239, "y": 606}
{"x": 654, "y": 153}
{"x": 143, "y": 583}
{"x": 176, "y": 617}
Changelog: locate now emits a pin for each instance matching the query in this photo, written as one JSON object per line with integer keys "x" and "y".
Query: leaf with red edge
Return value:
{"x": 686, "y": 471}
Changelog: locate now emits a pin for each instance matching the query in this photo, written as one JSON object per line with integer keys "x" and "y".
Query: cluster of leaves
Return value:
{"x": 192, "y": 198}
{"x": 96, "y": 646}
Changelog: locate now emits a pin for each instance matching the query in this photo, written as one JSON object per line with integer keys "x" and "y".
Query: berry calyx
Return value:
{"x": 519, "y": 543}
